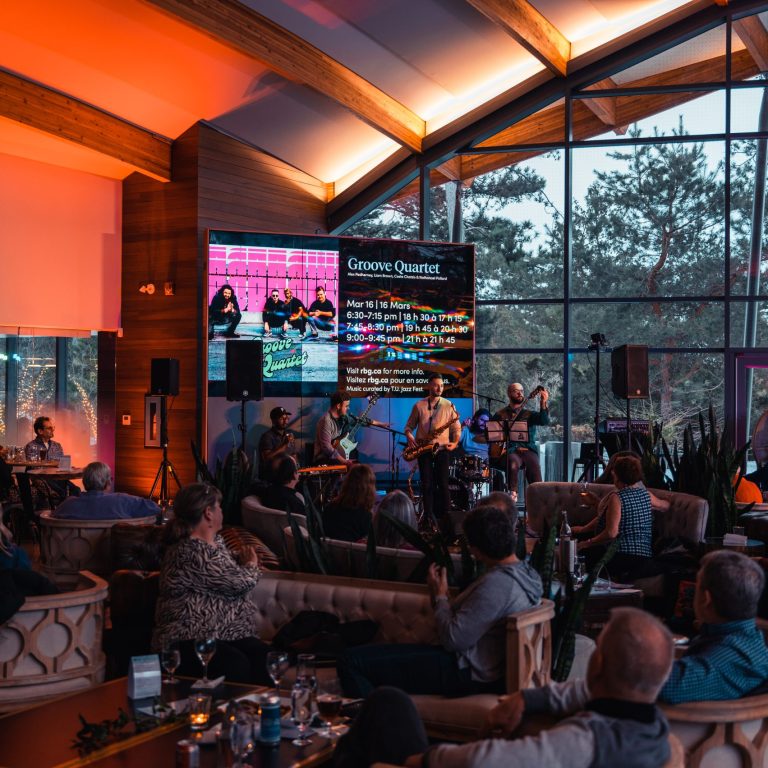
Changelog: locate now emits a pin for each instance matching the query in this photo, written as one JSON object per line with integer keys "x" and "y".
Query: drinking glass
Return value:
{"x": 329, "y": 704}
{"x": 170, "y": 658}
{"x": 205, "y": 648}
{"x": 305, "y": 667}
{"x": 277, "y": 665}
{"x": 199, "y": 711}
{"x": 241, "y": 737}
{"x": 301, "y": 710}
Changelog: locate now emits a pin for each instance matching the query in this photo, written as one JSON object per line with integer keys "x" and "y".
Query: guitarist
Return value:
{"x": 334, "y": 424}
{"x": 427, "y": 416}
{"x": 523, "y": 455}
{"x": 296, "y": 311}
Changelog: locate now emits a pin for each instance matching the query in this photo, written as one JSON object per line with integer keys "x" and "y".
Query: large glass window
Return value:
{"x": 655, "y": 236}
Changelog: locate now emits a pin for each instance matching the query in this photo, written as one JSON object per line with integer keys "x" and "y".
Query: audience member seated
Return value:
{"x": 204, "y": 592}
{"x": 99, "y": 502}
{"x": 610, "y": 718}
{"x": 625, "y": 516}
{"x": 472, "y": 629}
{"x": 501, "y": 500}
{"x": 45, "y": 448}
{"x": 728, "y": 658}
{"x": 606, "y": 478}
{"x": 282, "y": 493}
{"x": 397, "y": 505}
{"x": 348, "y": 516}
{"x": 11, "y": 554}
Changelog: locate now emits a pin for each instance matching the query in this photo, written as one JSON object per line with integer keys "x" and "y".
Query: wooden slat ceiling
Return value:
{"x": 332, "y": 87}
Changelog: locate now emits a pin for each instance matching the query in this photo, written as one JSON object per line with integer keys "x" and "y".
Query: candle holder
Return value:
{"x": 199, "y": 711}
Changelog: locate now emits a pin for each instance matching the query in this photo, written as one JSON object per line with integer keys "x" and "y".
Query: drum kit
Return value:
{"x": 469, "y": 480}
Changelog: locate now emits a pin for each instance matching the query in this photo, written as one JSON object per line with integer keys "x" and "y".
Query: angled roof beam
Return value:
{"x": 755, "y": 37}
{"x": 605, "y": 109}
{"x": 65, "y": 117}
{"x": 237, "y": 26}
{"x": 533, "y": 31}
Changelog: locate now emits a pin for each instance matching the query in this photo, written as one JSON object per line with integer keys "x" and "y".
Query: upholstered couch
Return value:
{"x": 52, "y": 645}
{"x": 70, "y": 546}
{"x": 404, "y": 615}
{"x": 685, "y": 520}
{"x": 686, "y": 517}
{"x": 267, "y": 523}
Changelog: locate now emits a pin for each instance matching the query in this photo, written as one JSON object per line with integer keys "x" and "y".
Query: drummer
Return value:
{"x": 473, "y": 440}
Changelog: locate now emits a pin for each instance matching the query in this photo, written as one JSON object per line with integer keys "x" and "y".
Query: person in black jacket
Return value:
{"x": 224, "y": 309}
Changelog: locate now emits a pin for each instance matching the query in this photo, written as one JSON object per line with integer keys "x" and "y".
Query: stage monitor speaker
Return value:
{"x": 629, "y": 371}
{"x": 164, "y": 379}
{"x": 244, "y": 368}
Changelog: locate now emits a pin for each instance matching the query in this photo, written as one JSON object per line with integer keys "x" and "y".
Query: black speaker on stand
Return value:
{"x": 164, "y": 381}
{"x": 245, "y": 361}
{"x": 629, "y": 377}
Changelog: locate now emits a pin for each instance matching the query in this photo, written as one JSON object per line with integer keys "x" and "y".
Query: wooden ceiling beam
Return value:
{"x": 68, "y": 118}
{"x": 520, "y": 20}
{"x": 548, "y": 125}
{"x": 754, "y": 35}
{"x": 237, "y": 26}
{"x": 605, "y": 108}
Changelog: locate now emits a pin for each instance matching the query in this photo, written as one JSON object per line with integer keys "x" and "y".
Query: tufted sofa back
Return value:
{"x": 686, "y": 517}
{"x": 402, "y": 611}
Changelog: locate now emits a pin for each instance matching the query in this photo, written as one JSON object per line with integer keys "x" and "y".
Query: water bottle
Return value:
{"x": 567, "y": 548}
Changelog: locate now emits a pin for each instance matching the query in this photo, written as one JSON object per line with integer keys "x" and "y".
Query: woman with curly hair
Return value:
{"x": 348, "y": 516}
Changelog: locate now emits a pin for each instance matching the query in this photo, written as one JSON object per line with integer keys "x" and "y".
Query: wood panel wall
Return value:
{"x": 218, "y": 182}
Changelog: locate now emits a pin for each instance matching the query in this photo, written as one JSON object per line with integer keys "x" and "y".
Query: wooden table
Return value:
{"x": 41, "y": 736}
{"x": 41, "y": 470}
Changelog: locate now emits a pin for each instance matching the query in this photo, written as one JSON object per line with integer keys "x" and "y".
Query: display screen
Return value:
{"x": 357, "y": 314}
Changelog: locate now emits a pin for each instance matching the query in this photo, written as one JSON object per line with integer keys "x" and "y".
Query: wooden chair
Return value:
{"x": 70, "y": 546}
{"x": 52, "y": 645}
{"x": 722, "y": 734}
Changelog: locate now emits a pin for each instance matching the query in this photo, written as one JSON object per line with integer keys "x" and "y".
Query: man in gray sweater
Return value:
{"x": 471, "y": 629}
{"x": 610, "y": 718}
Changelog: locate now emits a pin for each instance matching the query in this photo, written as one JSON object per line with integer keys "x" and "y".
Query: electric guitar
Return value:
{"x": 346, "y": 443}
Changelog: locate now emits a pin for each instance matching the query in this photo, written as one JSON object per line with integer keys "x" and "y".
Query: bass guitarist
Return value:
{"x": 434, "y": 420}
{"x": 334, "y": 424}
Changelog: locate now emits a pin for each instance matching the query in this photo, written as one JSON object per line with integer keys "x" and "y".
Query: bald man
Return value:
{"x": 522, "y": 455}
{"x": 610, "y": 718}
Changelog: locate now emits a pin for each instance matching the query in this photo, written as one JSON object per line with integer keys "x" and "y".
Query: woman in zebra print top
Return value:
{"x": 204, "y": 592}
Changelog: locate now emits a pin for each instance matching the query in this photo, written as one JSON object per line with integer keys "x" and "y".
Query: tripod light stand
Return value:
{"x": 166, "y": 466}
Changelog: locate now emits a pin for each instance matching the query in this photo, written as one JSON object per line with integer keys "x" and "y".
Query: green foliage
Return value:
{"x": 232, "y": 478}
{"x": 707, "y": 470}
{"x": 569, "y": 602}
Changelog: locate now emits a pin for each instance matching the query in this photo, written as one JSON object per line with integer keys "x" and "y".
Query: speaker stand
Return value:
{"x": 241, "y": 426}
{"x": 166, "y": 466}
{"x": 595, "y": 464}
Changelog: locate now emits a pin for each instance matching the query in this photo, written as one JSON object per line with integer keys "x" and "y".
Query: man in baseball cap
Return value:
{"x": 277, "y": 441}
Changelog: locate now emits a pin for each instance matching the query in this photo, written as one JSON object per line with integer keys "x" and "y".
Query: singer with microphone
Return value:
{"x": 277, "y": 441}
{"x": 433, "y": 431}
{"x": 522, "y": 454}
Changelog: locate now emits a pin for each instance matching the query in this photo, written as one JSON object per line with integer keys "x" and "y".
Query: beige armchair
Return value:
{"x": 722, "y": 734}
{"x": 52, "y": 645}
{"x": 70, "y": 546}
{"x": 267, "y": 523}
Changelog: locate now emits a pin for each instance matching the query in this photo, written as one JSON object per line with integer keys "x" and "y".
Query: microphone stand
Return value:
{"x": 394, "y": 460}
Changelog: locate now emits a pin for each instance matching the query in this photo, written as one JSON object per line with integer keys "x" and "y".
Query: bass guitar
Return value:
{"x": 346, "y": 443}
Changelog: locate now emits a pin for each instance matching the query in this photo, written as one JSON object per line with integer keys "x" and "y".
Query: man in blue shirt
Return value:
{"x": 99, "y": 503}
{"x": 729, "y": 658}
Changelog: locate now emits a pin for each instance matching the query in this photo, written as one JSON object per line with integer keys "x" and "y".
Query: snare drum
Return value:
{"x": 474, "y": 467}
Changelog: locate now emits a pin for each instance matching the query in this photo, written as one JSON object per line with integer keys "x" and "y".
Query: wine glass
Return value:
{"x": 329, "y": 704}
{"x": 301, "y": 711}
{"x": 170, "y": 658}
{"x": 241, "y": 738}
{"x": 277, "y": 665}
{"x": 205, "y": 648}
